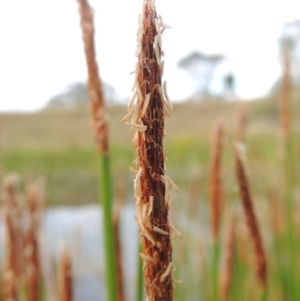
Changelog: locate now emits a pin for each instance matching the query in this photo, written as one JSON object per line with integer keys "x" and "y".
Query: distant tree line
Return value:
{"x": 201, "y": 68}
{"x": 77, "y": 93}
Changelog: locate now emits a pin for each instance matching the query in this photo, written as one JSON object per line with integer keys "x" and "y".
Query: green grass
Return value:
{"x": 58, "y": 145}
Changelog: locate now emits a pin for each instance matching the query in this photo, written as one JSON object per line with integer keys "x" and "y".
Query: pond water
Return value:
{"x": 80, "y": 228}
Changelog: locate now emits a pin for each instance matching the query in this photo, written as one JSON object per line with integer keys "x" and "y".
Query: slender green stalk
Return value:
{"x": 291, "y": 235}
{"x": 288, "y": 164}
{"x": 264, "y": 295}
{"x": 105, "y": 186}
{"x": 139, "y": 279}
{"x": 215, "y": 271}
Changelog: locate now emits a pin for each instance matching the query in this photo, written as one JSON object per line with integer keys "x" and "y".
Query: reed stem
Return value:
{"x": 118, "y": 251}
{"x": 264, "y": 295}
{"x": 105, "y": 189}
{"x": 140, "y": 282}
{"x": 215, "y": 271}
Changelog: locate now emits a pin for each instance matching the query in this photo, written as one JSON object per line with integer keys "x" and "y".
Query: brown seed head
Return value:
{"x": 152, "y": 186}
{"x": 245, "y": 196}
{"x": 99, "y": 115}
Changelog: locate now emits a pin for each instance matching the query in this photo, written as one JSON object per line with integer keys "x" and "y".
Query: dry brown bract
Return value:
{"x": 260, "y": 258}
{"x": 152, "y": 186}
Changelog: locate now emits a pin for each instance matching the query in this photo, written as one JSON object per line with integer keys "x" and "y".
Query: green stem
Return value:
{"x": 140, "y": 282}
{"x": 105, "y": 186}
{"x": 215, "y": 272}
{"x": 290, "y": 218}
{"x": 264, "y": 295}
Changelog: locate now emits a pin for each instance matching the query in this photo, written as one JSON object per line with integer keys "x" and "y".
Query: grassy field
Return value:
{"x": 57, "y": 144}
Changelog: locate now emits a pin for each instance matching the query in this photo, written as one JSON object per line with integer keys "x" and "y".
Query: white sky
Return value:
{"x": 41, "y": 50}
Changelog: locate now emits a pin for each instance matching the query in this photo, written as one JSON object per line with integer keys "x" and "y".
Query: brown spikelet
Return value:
{"x": 116, "y": 222}
{"x": 65, "y": 276}
{"x": 227, "y": 258}
{"x": 152, "y": 186}
{"x": 285, "y": 97}
{"x": 215, "y": 189}
{"x": 13, "y": 240}
{"x": 31, "y": 253}
{"x": 241, "y": 122}
{"x": 245, "y": 196}
{"x": 99, "y": 118}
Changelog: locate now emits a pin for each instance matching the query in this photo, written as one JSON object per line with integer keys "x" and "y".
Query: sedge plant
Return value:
{"x": 148, "y": 107}
{"x": 215, "y": 194}
{"x": 286, "y": 139}
{"x": 100, "y": 127}
{"x": 251, "y": 220}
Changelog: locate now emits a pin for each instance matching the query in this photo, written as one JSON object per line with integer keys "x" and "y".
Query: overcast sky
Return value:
{"x": 41, "y": 49}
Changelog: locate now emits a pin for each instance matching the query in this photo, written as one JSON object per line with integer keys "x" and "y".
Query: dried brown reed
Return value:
{"x": 31, "y": 243}
{"x": 246, "y": 198}
{"x": 215, "y": 189}
{"x": 117, "y": 238}
{"x": 227, "y": 257}
{"x": 99, "y": 114}
{"x": 65, "y": 276}
{"x": 13, "y": 240}
{"x": 285, "y": 97}
{"x": 152, "y": 186}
